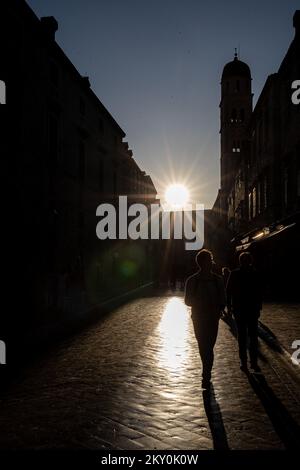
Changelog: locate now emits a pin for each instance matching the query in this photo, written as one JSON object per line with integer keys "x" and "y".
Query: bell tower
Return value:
{"x": 235, "y": 113}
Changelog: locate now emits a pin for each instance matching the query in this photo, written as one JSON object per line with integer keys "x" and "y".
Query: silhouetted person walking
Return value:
{"x": 244, "y": 299}
{"x": 205, "y": 293}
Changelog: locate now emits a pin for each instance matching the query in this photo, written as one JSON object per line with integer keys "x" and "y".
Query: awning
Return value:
{"x": 264, "y": 234}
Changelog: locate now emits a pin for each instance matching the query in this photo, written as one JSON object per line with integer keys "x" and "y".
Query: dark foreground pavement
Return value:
{"x": 133, "y": 381}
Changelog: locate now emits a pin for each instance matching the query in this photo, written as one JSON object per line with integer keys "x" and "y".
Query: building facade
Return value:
{"x": 258, "y": 202}
{"x": 66, "y": 155}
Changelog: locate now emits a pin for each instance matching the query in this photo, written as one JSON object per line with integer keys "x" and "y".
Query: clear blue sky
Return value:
{"x": 156, "y": 66}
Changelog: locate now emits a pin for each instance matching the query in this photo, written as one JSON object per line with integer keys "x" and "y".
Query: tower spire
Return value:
{"x": 235, "y": 54}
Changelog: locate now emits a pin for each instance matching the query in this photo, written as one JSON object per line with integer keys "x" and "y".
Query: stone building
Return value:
{"x": 66, "y": 155}
{"x": 258, "y": 204}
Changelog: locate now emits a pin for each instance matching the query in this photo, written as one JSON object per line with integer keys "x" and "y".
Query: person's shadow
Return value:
{"x": 215, "y": 420}
{"x": 284, "y": 424}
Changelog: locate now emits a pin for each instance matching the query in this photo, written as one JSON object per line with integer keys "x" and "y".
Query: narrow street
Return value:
{"x": 133, "y": 381}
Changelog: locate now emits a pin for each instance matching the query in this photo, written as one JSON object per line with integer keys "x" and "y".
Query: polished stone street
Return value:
{"x": 133, "y": 381}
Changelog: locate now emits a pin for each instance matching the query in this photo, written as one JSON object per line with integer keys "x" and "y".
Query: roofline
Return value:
{"x": 58, "y": 50}
{"x": 268, "y": 83}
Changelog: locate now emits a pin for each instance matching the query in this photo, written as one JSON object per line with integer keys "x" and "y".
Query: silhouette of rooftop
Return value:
{"x": 236, "y": 68}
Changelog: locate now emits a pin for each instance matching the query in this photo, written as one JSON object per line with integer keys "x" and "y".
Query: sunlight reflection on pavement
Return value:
{"x": 174, "y": 331}
{"x": 133, "y": 381}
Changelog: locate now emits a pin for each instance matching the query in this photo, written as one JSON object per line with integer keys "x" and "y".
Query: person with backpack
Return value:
{"x": 205, "y": 293}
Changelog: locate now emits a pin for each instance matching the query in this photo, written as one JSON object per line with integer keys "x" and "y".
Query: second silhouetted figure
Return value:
{"x": 244, "y": 299}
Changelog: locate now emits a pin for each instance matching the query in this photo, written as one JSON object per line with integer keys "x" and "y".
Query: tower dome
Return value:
{"x": 236, "y": 68}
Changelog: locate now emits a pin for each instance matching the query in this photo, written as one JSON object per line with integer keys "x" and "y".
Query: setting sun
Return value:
{"x": 177, "y": 195}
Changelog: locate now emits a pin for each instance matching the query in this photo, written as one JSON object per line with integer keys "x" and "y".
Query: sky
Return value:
{"x": 156, "y": 66}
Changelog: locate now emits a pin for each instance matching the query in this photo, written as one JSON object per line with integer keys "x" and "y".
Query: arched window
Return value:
{"x": 254, "y": 202}
{"x": 250, "y": 205}
{"x": 2, "y": 347}
{"x": 242, "y": 115}
{"x": 2, "y": 92}
{"x": 233, "y": 115}
{"x": 236, "y": 146}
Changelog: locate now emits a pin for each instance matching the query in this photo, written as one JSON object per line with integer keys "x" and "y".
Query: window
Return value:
{"x": 242, "y": 115}
{"x": 236, "y": 147}
{"x": 254, "y": 202}
{"x": 233, "y": 115}
{"x": 237, "y": 85}
{"x": 2, "y": 92}
{"x": 240, "y": 181}
{"x": 265, "y": 193}
{"x": 250, "y": 205}
{"x": 258, "y": 198}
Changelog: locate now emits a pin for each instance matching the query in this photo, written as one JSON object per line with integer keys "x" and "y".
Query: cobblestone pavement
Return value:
{"x": 132, "y": 381}
{"x": 284, "y": 322}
